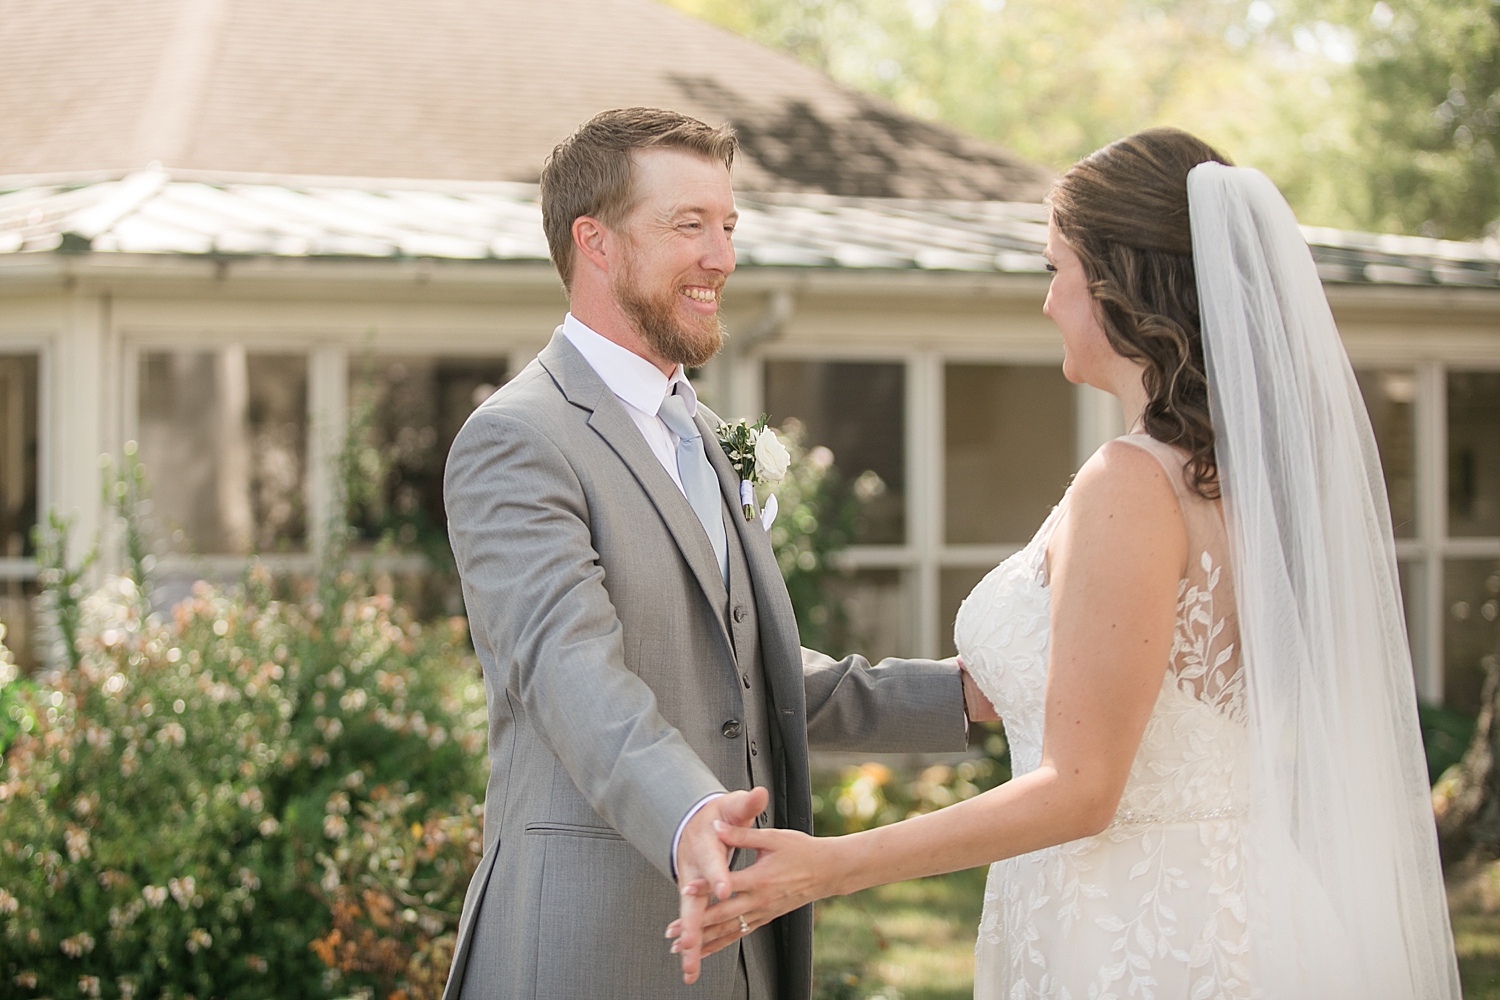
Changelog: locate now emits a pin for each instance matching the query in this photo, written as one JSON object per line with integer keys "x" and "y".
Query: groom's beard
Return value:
{"x": 691, "y": 342}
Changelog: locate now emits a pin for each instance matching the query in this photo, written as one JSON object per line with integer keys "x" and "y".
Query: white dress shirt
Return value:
{"x": 640, "y": 387}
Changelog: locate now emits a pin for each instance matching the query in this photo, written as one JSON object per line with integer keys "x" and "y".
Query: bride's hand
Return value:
{"x": 791, "y": 870}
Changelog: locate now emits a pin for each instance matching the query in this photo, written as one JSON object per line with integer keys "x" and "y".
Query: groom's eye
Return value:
{"x": 1051, "y": 267}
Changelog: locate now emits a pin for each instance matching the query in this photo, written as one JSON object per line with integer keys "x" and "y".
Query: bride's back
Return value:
{"x": 1191, "y": 762}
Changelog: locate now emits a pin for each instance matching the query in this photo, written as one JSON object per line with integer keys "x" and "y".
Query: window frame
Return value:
{"x": 926, "y": 553}
{"x": 41, "y": 346}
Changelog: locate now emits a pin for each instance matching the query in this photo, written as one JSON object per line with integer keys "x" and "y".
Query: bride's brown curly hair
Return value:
{"x": 1124, "y": 211}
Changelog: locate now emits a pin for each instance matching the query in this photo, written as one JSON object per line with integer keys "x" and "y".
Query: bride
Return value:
{"x": 1200, "y": 659}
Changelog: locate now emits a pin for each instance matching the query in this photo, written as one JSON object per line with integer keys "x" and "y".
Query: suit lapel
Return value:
{"x": 607, "y": 417}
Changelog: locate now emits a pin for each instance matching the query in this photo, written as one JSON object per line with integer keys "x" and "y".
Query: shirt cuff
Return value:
{"x": 677, "y": 838}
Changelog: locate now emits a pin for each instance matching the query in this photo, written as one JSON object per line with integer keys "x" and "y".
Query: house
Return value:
{"x": 227, "y": 228}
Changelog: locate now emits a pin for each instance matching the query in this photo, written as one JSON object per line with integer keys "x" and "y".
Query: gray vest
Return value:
{"x": 758, "y": 952}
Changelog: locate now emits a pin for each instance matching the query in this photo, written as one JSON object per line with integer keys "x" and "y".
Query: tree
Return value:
{"x": 1374, "y": 118}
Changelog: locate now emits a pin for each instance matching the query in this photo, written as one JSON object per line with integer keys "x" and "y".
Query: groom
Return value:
{"x": 640, "y": 653}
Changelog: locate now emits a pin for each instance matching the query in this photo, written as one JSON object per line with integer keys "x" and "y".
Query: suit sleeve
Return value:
{"x": 518, "y": 521}
{"x": 896, "y": 706}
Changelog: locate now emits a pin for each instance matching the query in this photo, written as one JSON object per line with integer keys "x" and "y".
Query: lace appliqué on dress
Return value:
{"x": 1154, "y": 907}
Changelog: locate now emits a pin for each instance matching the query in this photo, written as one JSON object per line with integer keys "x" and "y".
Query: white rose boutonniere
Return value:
{"x": 771, "y": 457}
{"x": 757, "y": 454}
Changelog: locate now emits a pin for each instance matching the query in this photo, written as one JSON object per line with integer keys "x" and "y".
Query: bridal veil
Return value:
{"x": 1346, "y": 894}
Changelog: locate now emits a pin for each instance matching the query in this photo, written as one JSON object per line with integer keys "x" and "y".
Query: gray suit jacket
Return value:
{"x": 599, "y": 616}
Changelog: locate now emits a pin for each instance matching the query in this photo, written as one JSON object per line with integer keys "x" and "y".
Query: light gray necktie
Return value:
{"x": 699, "y": 481}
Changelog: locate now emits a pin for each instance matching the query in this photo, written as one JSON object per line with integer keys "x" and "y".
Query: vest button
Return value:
{"x": 754, "y": 750}
{"x": 739, "y": 613}
{"x": 746, "y": 679}
{"x": 731, "y": 729}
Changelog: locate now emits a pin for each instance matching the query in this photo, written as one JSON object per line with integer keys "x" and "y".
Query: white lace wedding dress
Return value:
{"x": 1153, "y": 907}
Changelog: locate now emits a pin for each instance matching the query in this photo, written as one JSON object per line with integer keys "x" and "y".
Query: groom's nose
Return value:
{"x": 719, "y": 256}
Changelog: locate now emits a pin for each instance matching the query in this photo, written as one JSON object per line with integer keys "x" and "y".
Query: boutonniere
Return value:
{"x": 757, "y": 454}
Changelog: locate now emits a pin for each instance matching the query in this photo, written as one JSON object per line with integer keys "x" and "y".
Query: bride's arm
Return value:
{"x": 1115, "y": 561}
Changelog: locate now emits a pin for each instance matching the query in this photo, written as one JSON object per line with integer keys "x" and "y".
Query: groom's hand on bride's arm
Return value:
{"x": 703, "y": 867}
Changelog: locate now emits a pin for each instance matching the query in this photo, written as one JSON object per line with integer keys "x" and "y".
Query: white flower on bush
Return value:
{"x": 199, "y": 938}
{"x": 335, "y": 826}
{"x": 77, "y": 840}
{"x": 182, "y": 890}
{"x": 78, "y": 945}
{"x": 8, "y": 903}
{"x": 155, "y": 895}
{"x": 771, "y": 457}
{"x": 269, "y": 826}
{"x": 173, "y": 733}
{"x": 88, "y": 985}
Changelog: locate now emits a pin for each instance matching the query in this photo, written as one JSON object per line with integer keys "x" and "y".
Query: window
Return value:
{"x": 227, "y": 429}
{"x": 876, "y": 613}
{"x": 1389, "y": 397}
{"x": 1009, "y": 437}
{"x": 19, "y": 440}
{"x": 1438, "y": 431}
{"x": 954, "y": 585}
{"x": 1474, "y": 454}
{"x": 407, "y": 409}
{"x": 1471, "y": 640}
{"x": 857, "y": 410}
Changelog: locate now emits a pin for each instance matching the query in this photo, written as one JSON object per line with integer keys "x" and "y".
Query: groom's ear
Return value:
{"x": 590, "y": 240}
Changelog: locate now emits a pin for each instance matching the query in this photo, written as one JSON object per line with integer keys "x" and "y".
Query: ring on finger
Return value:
{"x": 744, "y": 927}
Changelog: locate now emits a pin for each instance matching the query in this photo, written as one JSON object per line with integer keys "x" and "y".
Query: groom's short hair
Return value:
{"x": 591, "y": 171}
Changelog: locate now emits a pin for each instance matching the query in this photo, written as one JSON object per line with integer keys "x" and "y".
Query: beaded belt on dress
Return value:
{"x": 1129, "y": 817}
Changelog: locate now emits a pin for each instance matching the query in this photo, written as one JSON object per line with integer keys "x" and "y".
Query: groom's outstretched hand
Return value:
{"x": 703, "y": 868}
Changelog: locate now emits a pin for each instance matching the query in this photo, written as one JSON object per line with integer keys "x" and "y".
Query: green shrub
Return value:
{"x": 871, "y": 795}
{"x": 817, "y": 519}
{"x": 162, "y": 818}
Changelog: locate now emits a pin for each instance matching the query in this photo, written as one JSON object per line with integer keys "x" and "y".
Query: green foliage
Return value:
{"x": 127, "y": 497}
{"x": 395, "y": 888}
{"x": 817, "y": 519}
{"x": 15, "y": 717}
{"x": 1445, "y": 736}
{"x": 60, "y": 605}
{"x": 1430, "y": 73}
{"x": 839, "y": 985}
{"x": 164, "y": 814}
{"x": 1372, "y": 116}
{"x": 872, "y": 795}
{"x": 370, "y": 468}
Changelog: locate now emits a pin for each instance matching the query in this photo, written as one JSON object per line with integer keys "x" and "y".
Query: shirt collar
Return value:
{"x": 628, "y": 375}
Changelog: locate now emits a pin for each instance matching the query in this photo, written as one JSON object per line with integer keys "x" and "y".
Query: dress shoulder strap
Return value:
{"x": 1171, "y": 460}
{"x": 1203, "y": 518}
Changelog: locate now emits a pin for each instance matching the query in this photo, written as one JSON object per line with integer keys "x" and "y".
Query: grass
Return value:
{"x": 912, "y": 939}
{"x": 1476, "y": 937}
{"x": 915, "y": 940}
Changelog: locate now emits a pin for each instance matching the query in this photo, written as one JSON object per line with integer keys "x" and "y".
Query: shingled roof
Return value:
{"x": 476, "y": 90}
